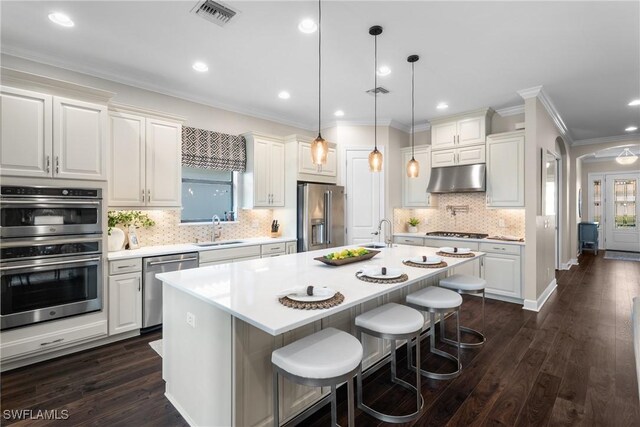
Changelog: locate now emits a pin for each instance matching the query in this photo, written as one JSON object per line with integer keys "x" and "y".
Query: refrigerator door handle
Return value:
{"x": 328, "y": 195}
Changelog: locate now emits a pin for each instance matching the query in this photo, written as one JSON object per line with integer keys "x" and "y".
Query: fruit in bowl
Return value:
{"x": 347, "y": 253}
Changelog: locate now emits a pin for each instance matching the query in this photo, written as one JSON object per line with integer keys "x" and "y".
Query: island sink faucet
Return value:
{"x": 216, "y": 232}
{"x": 387, "y": 237}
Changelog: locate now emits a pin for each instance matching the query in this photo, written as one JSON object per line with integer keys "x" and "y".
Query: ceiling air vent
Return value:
{"x": 379, "y": 90}
{"x": 214, "y": 12}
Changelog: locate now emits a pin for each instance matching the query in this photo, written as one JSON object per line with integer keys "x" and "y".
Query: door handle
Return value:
{"x": 49, "y": 264}
{"x": 142, "y": 199}
{"x": 172, "y": 261}
{"x": 139, "y": 284}
{"x": 148, "y": 196}
{"x": 329, "y": 207}
{"x": 52, "y": 342}
{"x": 57, "y": 165}
{"x": 48, "y": 164}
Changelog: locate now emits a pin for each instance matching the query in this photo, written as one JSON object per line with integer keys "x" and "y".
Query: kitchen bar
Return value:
{"x": 221, "y": 324}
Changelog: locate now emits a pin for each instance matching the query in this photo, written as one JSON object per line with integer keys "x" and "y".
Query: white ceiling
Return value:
{"x": 586, "y": 55}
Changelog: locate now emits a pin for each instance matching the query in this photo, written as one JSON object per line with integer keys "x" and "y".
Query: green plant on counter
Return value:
{"x": 127, "y": 219}
{"x": 414, "y": 222}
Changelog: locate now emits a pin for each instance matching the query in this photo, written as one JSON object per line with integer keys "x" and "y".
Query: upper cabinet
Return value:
{"x": 52, "y": 137}
{"x": 263, "y": 182}
{"x": 145, "y": 161}
{"x": 414, "y": 190}
{"x": 458, "y": 156}
{"x": 505, "y": 169}
{"x": 461, "y": 130}
{"x": 299, "y": 151}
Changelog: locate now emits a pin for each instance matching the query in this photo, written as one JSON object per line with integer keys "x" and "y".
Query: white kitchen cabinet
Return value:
{"x": 125, "y": 302}
{"x": 145, "y": 161}
{"x": 299, "y": 166}
{"x": 79, "y": 139}
{"x": 458, "y": 156}
{"x": 306, "y": 166}
{"x": 228, "y": 255}
{"x": 412, "y": 241}
{"x": 52, "y": 137}
{"x": 26, "y": 130}
{"x": 505, "y": 170}
{"x": 414, "y": 190}
{"x": 461, "y": 130}
{"x": 292, "y": 247}
{"x": 502, "y": 269}
{"x": 263, "y": 183}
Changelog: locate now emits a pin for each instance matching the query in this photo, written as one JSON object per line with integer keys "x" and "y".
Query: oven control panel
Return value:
{"x": 50, "y": 192}
{"x": 46, "y": 250}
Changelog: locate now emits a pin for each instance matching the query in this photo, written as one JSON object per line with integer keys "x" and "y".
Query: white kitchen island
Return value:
{"x": 221, "y": 323}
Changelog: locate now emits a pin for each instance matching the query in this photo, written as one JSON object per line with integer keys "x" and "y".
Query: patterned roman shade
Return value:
{"x": 205, "y": 149}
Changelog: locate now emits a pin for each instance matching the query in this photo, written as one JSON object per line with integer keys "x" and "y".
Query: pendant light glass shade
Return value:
{"x": 413, "y": 167}
{"x": 375, "y": 161}
{"x": 626, "y": 157}
{"x": 375, "y": 157}
{"x": 319, "y": 147}
{"x": 319, "y": 151}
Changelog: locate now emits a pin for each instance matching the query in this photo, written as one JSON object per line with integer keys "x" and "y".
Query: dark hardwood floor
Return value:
{"x": 570, "y": 364}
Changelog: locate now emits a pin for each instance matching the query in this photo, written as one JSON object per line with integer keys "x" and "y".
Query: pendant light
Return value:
{"x": 626, "y": 157}
{"x": 413, "y": 167}
{"x": 375, "y": 157}
{"x": 319, "y": 147}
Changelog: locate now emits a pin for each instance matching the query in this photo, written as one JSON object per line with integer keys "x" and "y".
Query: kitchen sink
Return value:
{"x": 374, "y": 245}
{"x": 209, "y": 244}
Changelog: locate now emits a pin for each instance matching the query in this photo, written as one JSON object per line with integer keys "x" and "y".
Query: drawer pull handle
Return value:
{"x": 126, "y": 266}
{"x": 276, "y": 249}
{"x": 500, "y": 249}
{"x": 52, "y": 342}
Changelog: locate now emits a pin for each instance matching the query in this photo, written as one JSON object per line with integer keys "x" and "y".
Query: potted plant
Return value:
{"x": 413, "y": 225}
{"x": 125, "y": 219}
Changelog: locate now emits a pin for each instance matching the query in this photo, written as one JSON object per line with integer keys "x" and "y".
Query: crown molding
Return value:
{"x": 538, "y": 92}
{"x": 126, "y": 108}
{"x": 423, "y": 127}
{"x": 511, "y": 111}
{"x": 607, "y": 139}
{"x": 147, "y": 85}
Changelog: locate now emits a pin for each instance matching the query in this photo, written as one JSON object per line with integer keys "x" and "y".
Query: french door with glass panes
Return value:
{"x": 621, "y": 212}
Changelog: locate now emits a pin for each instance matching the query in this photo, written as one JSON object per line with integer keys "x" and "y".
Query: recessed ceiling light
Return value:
{"x": 631, "y": 128}
{"x": 284, "y": 95}
{"x": 384, "y": 70}
{"x": 307, "y": 26}
{"x": 200, "y": 67}
{"x": 634, "y": 103}
{"x": 339, "y": 113}
{"x": 61, "y": 19}
{"x": 442, "y": 106}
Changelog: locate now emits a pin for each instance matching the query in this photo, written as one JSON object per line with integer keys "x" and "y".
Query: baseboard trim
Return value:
{"x": 567, "y": 265}
{"x": 180, "y": 409}
{"x": 536, "y": 305}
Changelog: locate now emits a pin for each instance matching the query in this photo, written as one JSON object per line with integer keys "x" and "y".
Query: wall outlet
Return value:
{"x": 191, "y": 319}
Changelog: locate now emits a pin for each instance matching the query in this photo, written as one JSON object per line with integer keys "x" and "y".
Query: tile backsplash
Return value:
{"x": 168, "y": 229}
{"x": 479, "y": 219}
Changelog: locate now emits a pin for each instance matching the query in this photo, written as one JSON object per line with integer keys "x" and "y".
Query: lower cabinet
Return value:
{"x": 413, "y": 241}
{"x": 125, "y": 302}
{"x": 502, "y": 270}
{"x": 292, "y": 247}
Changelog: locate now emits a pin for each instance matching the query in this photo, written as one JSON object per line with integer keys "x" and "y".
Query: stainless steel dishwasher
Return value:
{"x": 152, "y": 287}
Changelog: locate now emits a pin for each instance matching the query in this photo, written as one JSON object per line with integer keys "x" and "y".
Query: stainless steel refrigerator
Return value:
{"x": 320, "y": 216}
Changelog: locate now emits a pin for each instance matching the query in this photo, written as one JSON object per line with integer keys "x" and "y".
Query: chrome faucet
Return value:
{"x": 387, "y": 238}
{"x": 216, "y": 232}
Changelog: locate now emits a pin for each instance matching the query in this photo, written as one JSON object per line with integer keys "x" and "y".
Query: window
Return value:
{"x": 207, "y": 192}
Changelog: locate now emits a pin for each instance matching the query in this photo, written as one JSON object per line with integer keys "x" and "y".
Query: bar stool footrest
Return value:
{"x": 473, "y": 332}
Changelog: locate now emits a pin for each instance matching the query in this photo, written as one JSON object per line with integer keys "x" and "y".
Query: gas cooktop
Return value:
{"x": 461, "y": 235}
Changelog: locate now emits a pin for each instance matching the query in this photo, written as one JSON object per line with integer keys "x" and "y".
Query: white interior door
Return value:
{"x": 621, "y": 207}
{"x": 364, "y": 197}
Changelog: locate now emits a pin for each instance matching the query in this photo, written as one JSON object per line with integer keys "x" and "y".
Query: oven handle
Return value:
{"x": 49, "y": 264}
{"x": 50, "y": 203}
{"x": 49, "y": 241}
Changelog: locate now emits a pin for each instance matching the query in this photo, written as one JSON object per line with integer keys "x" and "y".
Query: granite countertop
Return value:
{"x": 192, "y": 247}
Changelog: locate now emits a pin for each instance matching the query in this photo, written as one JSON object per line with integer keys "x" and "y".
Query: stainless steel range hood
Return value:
{"x": 457, "y": 179}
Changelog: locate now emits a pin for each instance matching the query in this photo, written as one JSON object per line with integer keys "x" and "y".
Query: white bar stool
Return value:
{"x": 392, "y": 322}
{"x": 433, "y": 299}
{"x": 465, "y": 284}
{"x": 327, "y": 358}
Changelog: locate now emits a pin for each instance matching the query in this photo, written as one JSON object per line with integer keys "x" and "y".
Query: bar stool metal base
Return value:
{"x": 318, "y": 382}
{"x": 394, "y": 379}
{"x": 432, "y": 334}
{"x": 471, "y": 331}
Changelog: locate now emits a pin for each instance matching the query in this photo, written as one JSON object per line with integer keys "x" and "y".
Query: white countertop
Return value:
{"x": 191, "y": 247}
{"x": 485, "y": 240}
{"x": 248, "y": 289}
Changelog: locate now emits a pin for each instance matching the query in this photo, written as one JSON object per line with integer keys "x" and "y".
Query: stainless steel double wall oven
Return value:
{"x": 50, "y": 253}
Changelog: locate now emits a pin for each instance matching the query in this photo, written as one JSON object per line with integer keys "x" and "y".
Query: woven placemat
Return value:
{"x": 331, "y": 302}
{"x": 400, "y": 279}
{"x": 415, "y": 264}
{"x": 469, "y": 255}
